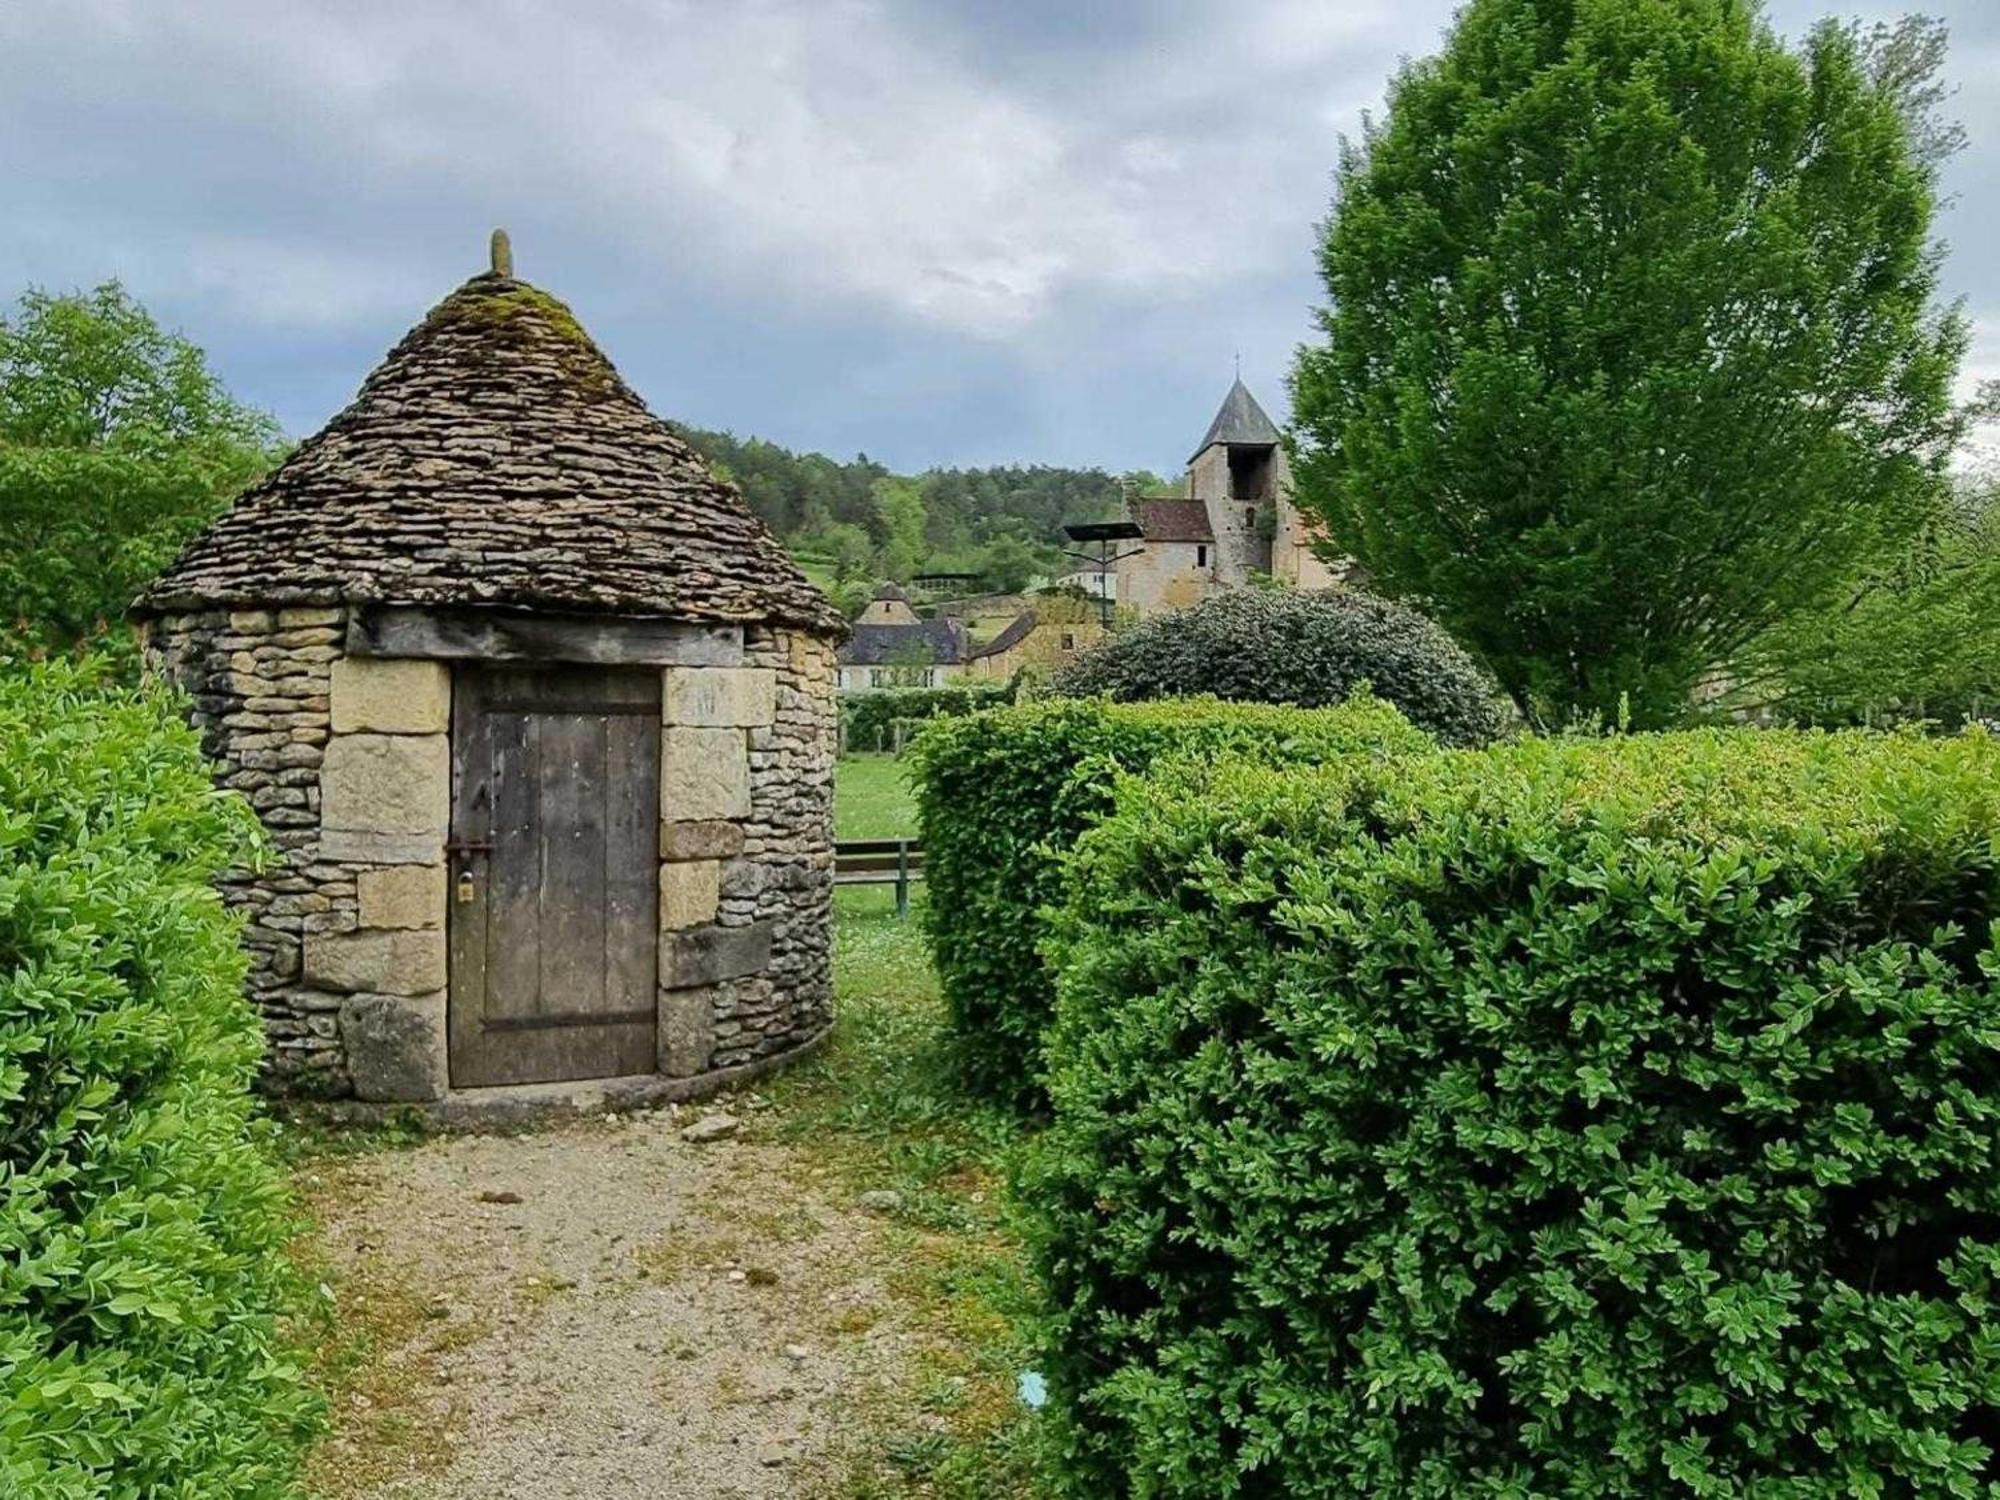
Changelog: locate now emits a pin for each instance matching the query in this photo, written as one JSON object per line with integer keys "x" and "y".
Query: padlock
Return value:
{"x": 465, "y": 888}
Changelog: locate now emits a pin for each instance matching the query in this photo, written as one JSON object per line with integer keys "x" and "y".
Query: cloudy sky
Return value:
{"x": 938, "y": 231}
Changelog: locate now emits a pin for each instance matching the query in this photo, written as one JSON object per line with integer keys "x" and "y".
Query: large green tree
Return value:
{"x": 117, "y": 443}
{"x": 1915, "y": 636}
{"x": 1632, "y": 346}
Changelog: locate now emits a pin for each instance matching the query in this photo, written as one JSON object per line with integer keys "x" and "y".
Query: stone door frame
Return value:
{"x": 385, "y": 801}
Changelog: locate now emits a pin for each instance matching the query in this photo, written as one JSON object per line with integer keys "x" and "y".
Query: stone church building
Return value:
{"x": 539, "y": 721}
{"x": 1234, "y": 519}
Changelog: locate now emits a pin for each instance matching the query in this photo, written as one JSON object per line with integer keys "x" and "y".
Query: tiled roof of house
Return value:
{"x": 928, "y": 642}
{"x": 496, "y": 457}
{"x": 1165, "y": 519}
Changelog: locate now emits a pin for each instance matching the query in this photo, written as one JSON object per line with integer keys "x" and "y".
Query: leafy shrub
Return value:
{"x": 1311, "y": 649}
{"x": 869, "y": 719}
{"x": 1001, "y": 797}
{"x": 141, "y": 1224}
{"x": 1612, "y": 1119}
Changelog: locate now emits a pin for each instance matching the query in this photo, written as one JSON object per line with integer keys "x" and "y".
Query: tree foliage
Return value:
{"x": 1003, "y": 523}
{"x": 117, "y": 444}
{"x": 899, "y": 507}
{"x": 868, "y": 720}
{"x": 1916, "y": 637}
{"x": 1632, "y": 347}
{"x": 1308, "y": 649}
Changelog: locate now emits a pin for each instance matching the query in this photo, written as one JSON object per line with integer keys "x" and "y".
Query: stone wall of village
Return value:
{"x": 347, "y": 762}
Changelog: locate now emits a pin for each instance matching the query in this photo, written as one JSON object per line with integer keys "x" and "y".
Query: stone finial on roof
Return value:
{"x": 501, "y": 250}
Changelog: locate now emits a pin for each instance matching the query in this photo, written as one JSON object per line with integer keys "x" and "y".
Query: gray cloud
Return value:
{"x": 938, "y": 230}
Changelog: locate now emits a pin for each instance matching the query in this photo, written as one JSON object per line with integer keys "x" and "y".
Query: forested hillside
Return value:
{"x": 854, "y": 522}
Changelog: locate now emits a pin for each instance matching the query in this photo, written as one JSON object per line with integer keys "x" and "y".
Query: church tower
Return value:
{"x": 1234, "y": 518}
{"x": 1238, "y": 473}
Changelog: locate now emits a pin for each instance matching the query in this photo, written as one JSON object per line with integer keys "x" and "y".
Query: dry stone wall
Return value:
{"x": 347, "y": 760}
{"x": 261, "y": 686}
{"x": 746, "y": 879}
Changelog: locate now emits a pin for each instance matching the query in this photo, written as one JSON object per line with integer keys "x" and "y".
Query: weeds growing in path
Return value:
{"x": 881, "y": 1106}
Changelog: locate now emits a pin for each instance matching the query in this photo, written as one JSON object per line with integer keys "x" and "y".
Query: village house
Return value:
{"x": 890, "y": 606}
{"x": 1094, "y": 580}
{"x": 1235, "y": 519}
{"x": 893, "y": 647}
{"x": 1046, "y": 636}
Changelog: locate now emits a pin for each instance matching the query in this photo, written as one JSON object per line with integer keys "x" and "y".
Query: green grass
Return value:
{"x": 818, "y": 569}
{"x": 871, "y": 799}
{"x": 882, "y": 1107}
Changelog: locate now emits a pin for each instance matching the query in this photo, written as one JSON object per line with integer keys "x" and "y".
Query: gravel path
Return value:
{"x": 602, "y": 1310}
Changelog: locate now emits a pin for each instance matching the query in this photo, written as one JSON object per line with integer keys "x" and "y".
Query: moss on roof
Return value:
{"x": 496, "y": 457}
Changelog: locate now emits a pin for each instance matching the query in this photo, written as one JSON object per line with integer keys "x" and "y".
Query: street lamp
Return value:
{"x": 1107, "y": 535}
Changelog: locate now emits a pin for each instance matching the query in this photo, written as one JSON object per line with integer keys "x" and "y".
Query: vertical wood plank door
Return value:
{"x": 554, "y": 873}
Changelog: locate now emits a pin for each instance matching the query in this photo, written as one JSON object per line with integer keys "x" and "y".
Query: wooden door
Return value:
{"x": 554, "y": 873}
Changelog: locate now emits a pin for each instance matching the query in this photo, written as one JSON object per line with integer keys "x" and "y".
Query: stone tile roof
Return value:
{"x": 1240, "y": 422}
{"x": 1165, "y": 519}
{"x": 928, "y": 642}
{"x": 496, "y": 458}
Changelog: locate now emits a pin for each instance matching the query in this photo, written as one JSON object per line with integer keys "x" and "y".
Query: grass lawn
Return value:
{"x": 871, "y": 799}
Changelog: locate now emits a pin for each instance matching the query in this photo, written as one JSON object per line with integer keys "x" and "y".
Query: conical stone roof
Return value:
{"x": 496, "y": 458}
{"x": 1240, "y": 422}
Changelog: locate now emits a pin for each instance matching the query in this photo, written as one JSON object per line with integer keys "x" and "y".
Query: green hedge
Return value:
{"x": 1309, "y": 648}
{"x": 141, "y": 1225}
{"x": 1002, "y": 796}
{"x": 869, "y": 719}
{"x": 1613, "y": 1119}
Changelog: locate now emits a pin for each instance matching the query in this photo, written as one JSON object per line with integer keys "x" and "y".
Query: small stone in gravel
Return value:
{"x": 881, "y": 1200}
{"x": 796, "y": 1351}
{"x": 739, "y": 1275}
{"x": 710, "y": 1128}
{"x": 770, "y": 1455}
{"x": 504, "y": 1195}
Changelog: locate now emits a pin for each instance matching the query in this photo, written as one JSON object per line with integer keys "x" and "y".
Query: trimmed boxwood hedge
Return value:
{"x": 1610, "y": 1119}
{"x": 1001, "y": 796}
{"x": 142, "y": 1226}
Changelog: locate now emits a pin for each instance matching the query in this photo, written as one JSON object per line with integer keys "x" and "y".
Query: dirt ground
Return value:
{"x": 602, "y": 1310}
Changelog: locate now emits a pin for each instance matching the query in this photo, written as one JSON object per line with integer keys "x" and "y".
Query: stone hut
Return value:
{"x": 540, "y": 720}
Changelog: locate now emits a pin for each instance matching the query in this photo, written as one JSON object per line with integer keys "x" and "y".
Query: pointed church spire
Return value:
{"x": 1240, "y": 422}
